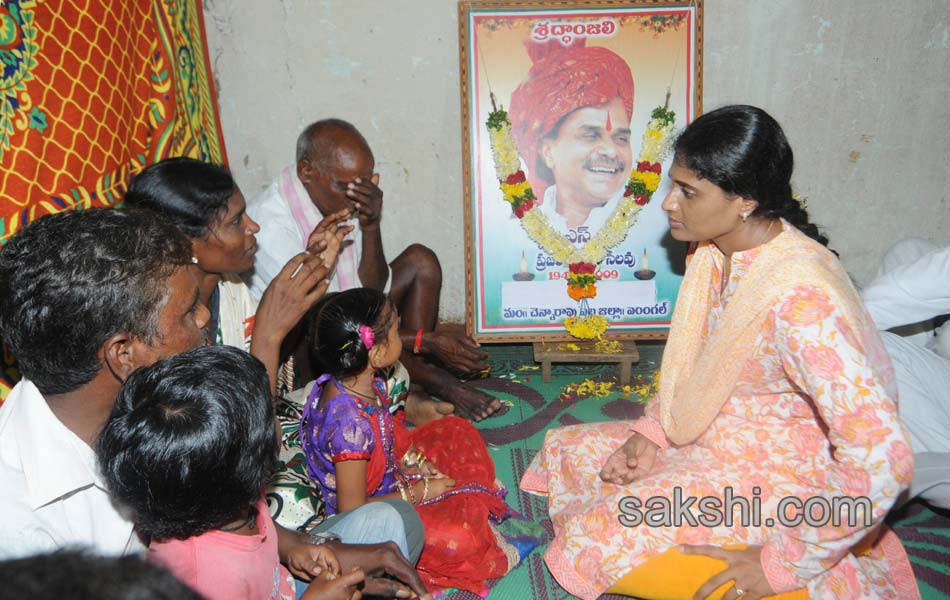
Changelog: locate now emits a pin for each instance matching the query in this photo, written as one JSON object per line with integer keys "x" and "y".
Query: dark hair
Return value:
{"x": 743, "y": 150}
{"x": 192, "y": 194}
{"x": 80, "y": 575}
{"x": 312, "y": 143}
{"x": 69, "y": 281}
{"x": 191, "y": 442}
{"x": 335, "y": 344}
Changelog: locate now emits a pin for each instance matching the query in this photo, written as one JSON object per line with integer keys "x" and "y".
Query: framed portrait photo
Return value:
{"x": 568, "y": 110}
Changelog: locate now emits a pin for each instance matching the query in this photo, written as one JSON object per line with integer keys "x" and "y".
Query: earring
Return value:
{"x": 745, "y": 217}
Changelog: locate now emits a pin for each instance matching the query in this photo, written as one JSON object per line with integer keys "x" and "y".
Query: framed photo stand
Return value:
{"x": 564, "y": 164}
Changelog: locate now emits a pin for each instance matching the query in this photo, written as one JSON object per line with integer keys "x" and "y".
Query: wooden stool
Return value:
{"x": 549, "y": 352}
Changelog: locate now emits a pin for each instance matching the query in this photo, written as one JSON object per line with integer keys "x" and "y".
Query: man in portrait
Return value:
{"x": 571, "y": 120}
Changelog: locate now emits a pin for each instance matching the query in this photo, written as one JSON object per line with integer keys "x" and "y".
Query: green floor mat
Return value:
{"x": 535, "y": 406}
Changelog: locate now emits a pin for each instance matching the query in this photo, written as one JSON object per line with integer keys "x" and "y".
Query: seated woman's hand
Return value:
{"x": 631, "y": 461}
{"x": 745, "y": 571}
{"x": 298, "y": 286}
{"x": 327, "y": 237}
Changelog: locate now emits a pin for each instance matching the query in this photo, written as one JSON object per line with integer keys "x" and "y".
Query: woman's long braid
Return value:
{"x": 794, "y": 212}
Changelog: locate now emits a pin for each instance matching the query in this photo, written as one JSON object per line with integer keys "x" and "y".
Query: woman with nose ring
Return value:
{"x": 776, "y": 398}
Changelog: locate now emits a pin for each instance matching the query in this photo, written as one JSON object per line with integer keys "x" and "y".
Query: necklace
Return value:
{"x": 372, "y": 399}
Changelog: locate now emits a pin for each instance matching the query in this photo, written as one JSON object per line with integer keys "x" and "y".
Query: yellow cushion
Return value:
{"x": 677, "y": 576}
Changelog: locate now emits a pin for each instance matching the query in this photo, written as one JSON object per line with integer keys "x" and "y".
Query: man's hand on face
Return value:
{"x": 367, "y": 199}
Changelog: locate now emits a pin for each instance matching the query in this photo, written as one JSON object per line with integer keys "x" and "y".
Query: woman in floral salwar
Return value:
{"x": 774, "y": 384}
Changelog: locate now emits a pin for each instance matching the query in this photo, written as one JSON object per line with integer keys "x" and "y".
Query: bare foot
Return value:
{"x": 471, "y": 403}
{"x": 421, "y": 408}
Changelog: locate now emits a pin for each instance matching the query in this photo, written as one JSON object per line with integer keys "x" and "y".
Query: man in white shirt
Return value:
{"x": 85, "y": 298}
{"x": 571, "y": 120}
{"x": 911, "y": 290}
{"x": 335, "y": 171}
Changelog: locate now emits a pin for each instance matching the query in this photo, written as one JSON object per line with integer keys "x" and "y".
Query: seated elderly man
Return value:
{"x": 334, "y": 171}
{"x": 86, "y": 298}
{"x": 909, "y": 295}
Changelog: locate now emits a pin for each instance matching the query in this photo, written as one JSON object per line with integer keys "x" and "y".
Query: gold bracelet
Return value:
{"x": 425, "y": 488}
{"x": 402, "y": 490}
{"x": 412, "y": 494}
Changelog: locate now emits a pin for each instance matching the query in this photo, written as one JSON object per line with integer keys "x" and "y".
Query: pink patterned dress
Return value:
{"x": 811, "y": 414}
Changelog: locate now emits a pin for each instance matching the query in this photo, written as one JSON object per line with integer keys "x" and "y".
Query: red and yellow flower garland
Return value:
{"x": 581, "y": 281}
{"x": 583, "y": 261}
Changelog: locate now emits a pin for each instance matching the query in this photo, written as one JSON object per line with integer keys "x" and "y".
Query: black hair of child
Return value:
{"x": 335, "y": 343}
{"x": 191, "y": 442}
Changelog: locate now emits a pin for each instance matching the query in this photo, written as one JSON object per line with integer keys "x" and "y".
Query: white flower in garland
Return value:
{"x": 643, "y": 182}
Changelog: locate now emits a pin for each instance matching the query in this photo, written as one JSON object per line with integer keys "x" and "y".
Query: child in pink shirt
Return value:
{"x": 221, "y": 564}
{"x": 188, "y": 449}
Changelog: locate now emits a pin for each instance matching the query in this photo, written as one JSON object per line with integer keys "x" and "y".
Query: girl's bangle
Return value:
{"x": 402, "y": 490}
{"x": 425, "y": 489}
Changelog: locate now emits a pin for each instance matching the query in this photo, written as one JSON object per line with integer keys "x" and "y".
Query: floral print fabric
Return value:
{"x": 809, "y": 416}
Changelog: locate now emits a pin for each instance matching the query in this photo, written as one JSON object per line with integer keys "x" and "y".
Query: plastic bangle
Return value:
{"x": 417, "y": 346}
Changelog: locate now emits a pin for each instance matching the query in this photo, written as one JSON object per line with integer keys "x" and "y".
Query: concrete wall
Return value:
{"x": 860, "y": 86}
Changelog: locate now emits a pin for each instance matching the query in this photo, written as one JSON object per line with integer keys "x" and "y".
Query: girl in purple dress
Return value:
{"x": 358, "y": 452}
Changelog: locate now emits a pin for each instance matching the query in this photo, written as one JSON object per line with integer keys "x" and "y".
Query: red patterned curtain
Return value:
{"x": 92, "y": 91}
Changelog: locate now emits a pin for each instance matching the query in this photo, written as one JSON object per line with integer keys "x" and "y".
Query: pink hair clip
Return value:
{"x": 367, "y": 335}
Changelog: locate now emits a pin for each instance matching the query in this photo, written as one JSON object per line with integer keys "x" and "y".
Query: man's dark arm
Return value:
{"x": 368, "y": 198}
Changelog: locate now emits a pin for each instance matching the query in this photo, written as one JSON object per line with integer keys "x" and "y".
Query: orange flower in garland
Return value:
{"x": 578, "y": 293}
{"x": 582, "y": 281}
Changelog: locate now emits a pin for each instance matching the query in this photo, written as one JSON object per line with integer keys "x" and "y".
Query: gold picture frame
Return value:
{"x": 514, "y": 289}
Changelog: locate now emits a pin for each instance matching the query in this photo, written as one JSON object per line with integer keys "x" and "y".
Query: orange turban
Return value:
{"x": 561, "y": 80}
